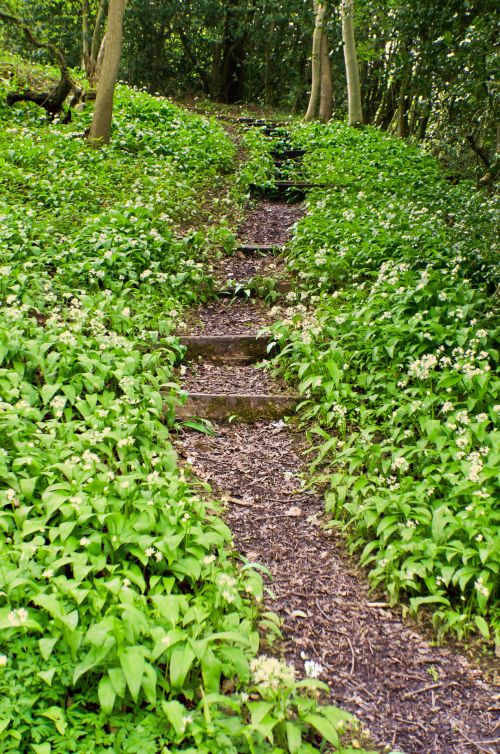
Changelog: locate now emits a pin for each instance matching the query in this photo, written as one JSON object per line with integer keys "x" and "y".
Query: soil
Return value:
{"x": 414, "y": 697}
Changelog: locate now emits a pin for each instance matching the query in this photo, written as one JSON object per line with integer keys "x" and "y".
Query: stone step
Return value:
{"x": 246, "y": 408}
{"x": 228, "y": 349}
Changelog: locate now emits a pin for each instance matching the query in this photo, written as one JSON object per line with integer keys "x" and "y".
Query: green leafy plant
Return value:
{"x": 123, "y": 611}
{"x": 393, "y": 341}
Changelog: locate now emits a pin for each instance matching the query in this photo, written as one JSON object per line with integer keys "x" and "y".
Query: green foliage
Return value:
{"x": 123, "y": 616}
{"x": 258, "y": 168}
{"x": 394, "y": 342}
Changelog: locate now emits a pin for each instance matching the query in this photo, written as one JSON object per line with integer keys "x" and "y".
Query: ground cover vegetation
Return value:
{"x": 125, "y": 624}
{"x": 393, "y": 339}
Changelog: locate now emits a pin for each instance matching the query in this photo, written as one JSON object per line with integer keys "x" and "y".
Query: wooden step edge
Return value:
{"x": 298, "y": 187}
{"x": 250, "y": 121}
{"x": 288, "y": 154}
{"x": 281, "y": 286}
{"x": 302, "y": 185}
{"x": 249, "y": 249}
{"x": 246, "y": 408}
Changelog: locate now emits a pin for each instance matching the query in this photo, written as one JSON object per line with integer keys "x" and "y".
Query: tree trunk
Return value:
{"x": 385, "y": 112}
{"x": 96, "y": 36}
{"x": 312, "y": 109}
{"x": 199, "y": 70}
{"x": 99, "y": 62}
{"x": 423, "y": 122}
{"x": 228, "y": 66}
{"x": 302, "y": 86}
{"x": 85, "y": 34}
{"x": 402, "y": 109}
{"x": 326, "y": 95}
{"x": 351, "y": 64}
{"x": 100, "y": 130}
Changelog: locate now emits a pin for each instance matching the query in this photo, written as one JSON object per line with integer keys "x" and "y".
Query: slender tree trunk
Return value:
{"x": 326, "y": 94}
{"x": 423, "y": 122}
{"x": 100, "y": 61}
{"x": 268, "y": 94}
{"x": 199, "y": 70}
{"x": 312, "y": 109}
{"x": 96, "y": 36}
{"x": 351, "y": 64}
{"x": 85, "y": 34}
{"x": 100, "y": 129}
{"x": 402, "y": 109}
{"x": 387, "y": 108}
{"x": 302, "y": 86}
{"x": 91, "y": 42}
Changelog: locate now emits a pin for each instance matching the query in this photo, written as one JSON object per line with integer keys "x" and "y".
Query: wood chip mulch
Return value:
{"x": 224, "y": 379}
{"x": 414, "y": 697}
{"x": 241, "y": 267}
{"x": 270, "y": 223}
{"x": 228, "y": 318}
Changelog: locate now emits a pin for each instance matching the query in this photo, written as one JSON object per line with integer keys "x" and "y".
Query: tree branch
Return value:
{"x": 55, "y": 52}
{"x": 480, "y": 151}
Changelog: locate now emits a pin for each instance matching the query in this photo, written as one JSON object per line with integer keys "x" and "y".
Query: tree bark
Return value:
{"x": 96, "y": 43}
{"x": 326, "y": 94}
{"x": 312, "y": 109}
{"x": 99, "y": 61}
{"x": 351, "y": 64}
{"x": 100, "y": 130}
{"x": 85, "y": 34}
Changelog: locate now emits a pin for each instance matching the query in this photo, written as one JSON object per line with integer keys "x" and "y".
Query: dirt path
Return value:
{"x": 413, "y": 697}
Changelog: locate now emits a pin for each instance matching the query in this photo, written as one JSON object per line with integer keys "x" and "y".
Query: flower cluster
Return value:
{"x": 270, "y": 673}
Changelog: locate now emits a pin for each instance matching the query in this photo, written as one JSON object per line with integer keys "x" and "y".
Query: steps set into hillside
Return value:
{"x": 414, "y": 696}
{"x": 223, "y": 352}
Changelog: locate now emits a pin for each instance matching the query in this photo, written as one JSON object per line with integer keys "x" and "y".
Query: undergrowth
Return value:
{"x": 393, "y": 339}
{"x": 125, "y": 623}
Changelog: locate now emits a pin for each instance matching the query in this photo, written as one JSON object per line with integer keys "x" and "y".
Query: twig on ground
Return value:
{"x": 421, "y": 691}
{"x": 479, "y": 744}
{"x": 353, "y": 656}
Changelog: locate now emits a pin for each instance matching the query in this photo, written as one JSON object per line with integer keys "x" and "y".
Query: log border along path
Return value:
{"x": 414, "y": 697}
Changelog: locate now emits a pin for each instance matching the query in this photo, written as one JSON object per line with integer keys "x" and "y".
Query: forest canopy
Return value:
{"x": 426, "y": 68}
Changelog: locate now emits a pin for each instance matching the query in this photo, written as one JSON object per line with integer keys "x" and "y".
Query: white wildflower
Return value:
{"x": 313, "y": 669}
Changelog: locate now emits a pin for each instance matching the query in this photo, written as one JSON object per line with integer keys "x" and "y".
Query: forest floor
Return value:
{"x": 412, "y": 695}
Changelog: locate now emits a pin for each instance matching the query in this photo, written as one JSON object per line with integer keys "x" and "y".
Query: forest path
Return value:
{"x": 413, "y": 697}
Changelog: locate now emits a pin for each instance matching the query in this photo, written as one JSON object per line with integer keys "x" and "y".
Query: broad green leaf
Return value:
{"x": 133, "y": 664}
{"x": 107, "y": 695}
{"x": 181, "y": 661}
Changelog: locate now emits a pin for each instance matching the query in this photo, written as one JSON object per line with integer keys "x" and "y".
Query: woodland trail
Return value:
{"x": 413, "y": 697}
